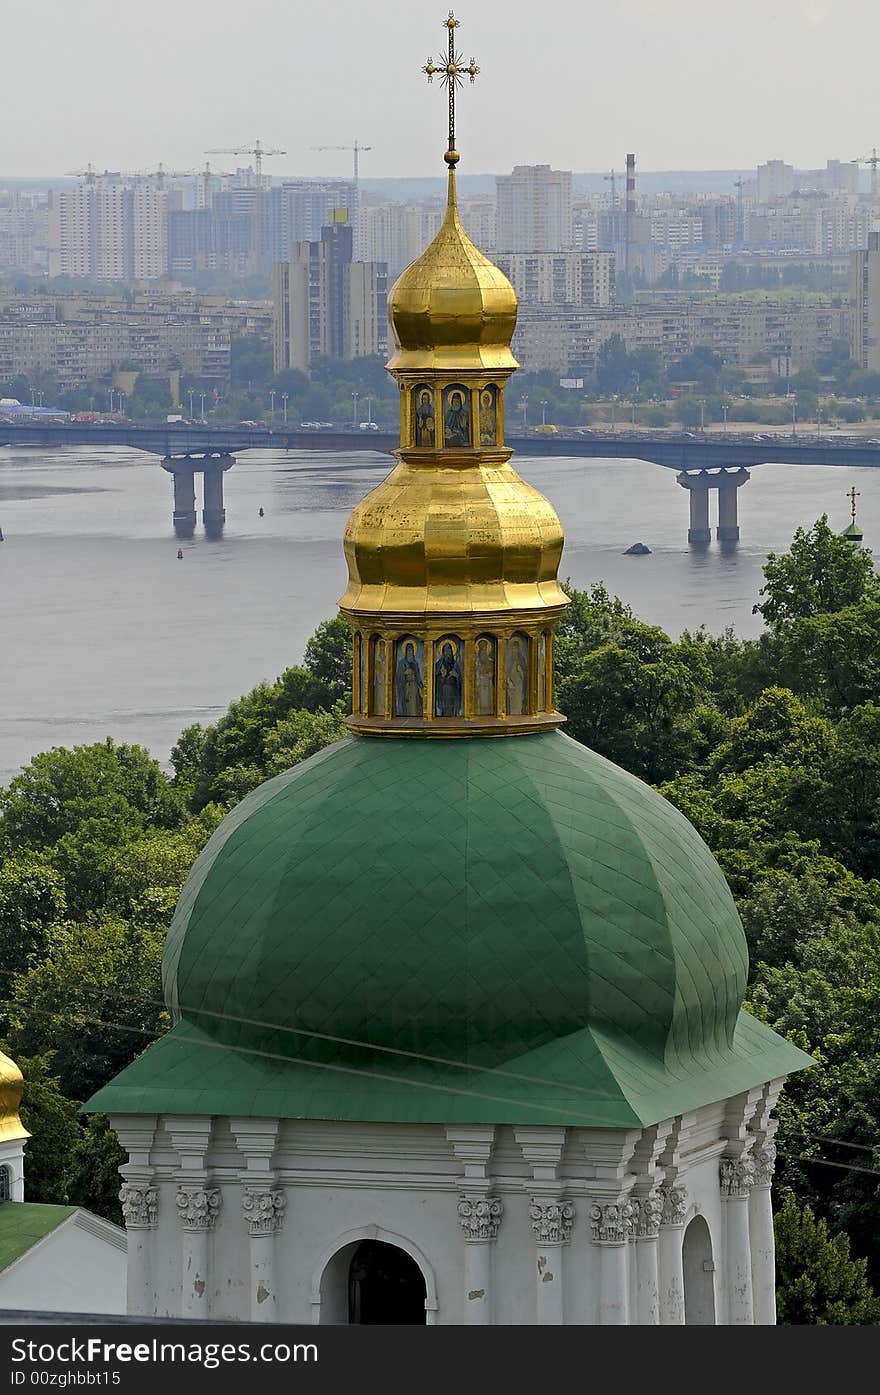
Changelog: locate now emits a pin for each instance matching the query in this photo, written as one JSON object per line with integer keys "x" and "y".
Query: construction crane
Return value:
{"x": 613, "y": 178}
{"x": 873, "y": 160}
{"x": 89, "y": 174}
{"x": 160, "y": 174}
{"x": 257, "y": 150}
{"x": 355, "y": 149}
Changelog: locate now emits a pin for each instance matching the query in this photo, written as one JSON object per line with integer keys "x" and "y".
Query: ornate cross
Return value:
{"x": 451, "y": 73}
{"x": 853, "y": 495}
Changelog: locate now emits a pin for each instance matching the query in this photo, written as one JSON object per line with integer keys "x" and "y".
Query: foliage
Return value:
{"x": 817, "y": 1281}
{"x": 822, "y": 572}
{"x": 50, "y": 1118}
{"x": 95, "y": 1000}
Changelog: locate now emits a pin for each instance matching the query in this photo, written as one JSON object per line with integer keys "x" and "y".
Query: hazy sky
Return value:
{"x": 686, "y": 84}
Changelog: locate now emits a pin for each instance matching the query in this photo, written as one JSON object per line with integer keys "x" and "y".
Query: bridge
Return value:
{"x": 704, "y": 461}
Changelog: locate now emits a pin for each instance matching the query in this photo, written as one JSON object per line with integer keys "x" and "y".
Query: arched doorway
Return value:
{"x": 699, "y": 1274}
{"x": 385, "y": 1285}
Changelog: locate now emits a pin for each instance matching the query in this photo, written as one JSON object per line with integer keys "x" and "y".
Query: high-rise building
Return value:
{"x": 775, "y": 180}
{"x": 864, "y": 292}
{"x": 322, "y": 304}
{"x": 534, "y": 210}
{"x": 396, "y": 233}
{"x": 109, "y": 229}
{"x": 298, "y": 209}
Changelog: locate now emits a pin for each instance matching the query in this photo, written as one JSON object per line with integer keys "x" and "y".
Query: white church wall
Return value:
{"x": 527, "y": 1225}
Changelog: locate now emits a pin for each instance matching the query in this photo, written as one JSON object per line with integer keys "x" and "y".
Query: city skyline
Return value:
{"x": 687, "y": 90}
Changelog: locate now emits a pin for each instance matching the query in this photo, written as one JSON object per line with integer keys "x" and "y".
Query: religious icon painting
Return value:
{"x": 517, "y": 675}
{"x": 456, "y": 416}
{"x": 380, "y": 671}
{"x": 484, "y": 676}
{"x": 409, "y": 677}
{"x": 488, "y": 415}
{"x": 448, "y": 678}
{"x": 423, "y": 416}
{"x": 542, "y": 671}
{"x": 360, "y": 667}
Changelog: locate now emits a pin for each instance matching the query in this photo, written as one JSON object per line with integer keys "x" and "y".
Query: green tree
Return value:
{"x": 31, "y": 901}
{"x": 93, "y": 1179}
{"x": 817, "y": 1282}
{"x": 821, "y": 572}
{"x": 50, "y": 1118}
{"x": 95, "y": 1000}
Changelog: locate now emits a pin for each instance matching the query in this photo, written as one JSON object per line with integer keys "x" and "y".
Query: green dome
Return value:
{"x": 504, "y": 930}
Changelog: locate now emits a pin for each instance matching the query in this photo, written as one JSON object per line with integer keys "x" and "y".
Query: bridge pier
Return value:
{"x": 183, "y": 471}
{"x": 728, "y": 521}
{"x": 183, "y": 474}
{"x": 213, "y": 511}
{"x": 698, "y": 484}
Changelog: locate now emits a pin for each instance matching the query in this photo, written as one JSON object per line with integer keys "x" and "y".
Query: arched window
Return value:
{"x": 5, "y": 1183}
{"x": 699, "y": 1274}
{"x": 517, "y": 675}
{"x": 448, "y": 677}
{"x": 485, "y": 690}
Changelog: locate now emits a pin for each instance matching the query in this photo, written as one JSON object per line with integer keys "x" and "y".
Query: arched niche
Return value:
{"x": 448, "y": 677}
{"x": 378, "y": 675}
{"x": 698, "y": 1266}
{"x": 5, "y": 1183}
{"x": 424, "y": 416}
{"x": 457, "y": 429}
{"x": 516, "y": 675}
{"x": 485, "y": 676}
{"x": 330, "y": 1294}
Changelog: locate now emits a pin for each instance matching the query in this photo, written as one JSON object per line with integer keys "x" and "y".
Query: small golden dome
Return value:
{"x": 452, "y": 308}
{"x": 468, "y": 541}
{"x": 11, "y": 1086}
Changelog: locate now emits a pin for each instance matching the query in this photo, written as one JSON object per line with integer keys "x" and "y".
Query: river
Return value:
{"x": 105, "y": 632}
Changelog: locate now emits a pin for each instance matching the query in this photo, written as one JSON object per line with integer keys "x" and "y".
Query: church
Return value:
{"x": 457, "y": 1031}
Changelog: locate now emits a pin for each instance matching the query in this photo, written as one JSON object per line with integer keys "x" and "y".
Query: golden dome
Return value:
{"x": 452, "y": 308}
{"x": 11, "y": 1085}
{"x": 435, "y": 537}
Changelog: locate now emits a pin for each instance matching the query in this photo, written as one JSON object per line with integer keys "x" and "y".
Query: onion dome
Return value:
{"x": 452, "y": 308}
{"x": 457, "y": 931}
{"x": 11, "y": 1087}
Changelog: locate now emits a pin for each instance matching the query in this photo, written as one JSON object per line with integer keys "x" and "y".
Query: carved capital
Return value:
{"x": 479, "y": 1216}
{"x": 612, "y": 1222}
{"x": 674, "y": 1204}
{"x": 552, "y": 1220}
{"x": 737, "y": 1176}
{"x": 765, "y": 1162}
{"x": 198, "y": 1207}
{"x": 263, "y": 1210}
{"x": 648, "y": 1215}
{"x": 140, "y": 1205}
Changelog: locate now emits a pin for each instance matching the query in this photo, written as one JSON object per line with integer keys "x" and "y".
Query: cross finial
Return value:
{"x": 452, "y": 75}
{"x": 852, "y": 496}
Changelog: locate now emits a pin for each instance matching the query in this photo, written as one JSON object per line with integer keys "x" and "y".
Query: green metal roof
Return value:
{"x": 23, "y": 1223}
{"x": 476, "y": 930}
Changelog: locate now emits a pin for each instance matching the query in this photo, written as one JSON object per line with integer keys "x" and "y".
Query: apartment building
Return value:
{"x": 534, "y": 210}
{"x": 560, "y": 278}
{"x": 325, "y": 303}
{"x": 864, "y": 290}
{"x": 743, "y": 330}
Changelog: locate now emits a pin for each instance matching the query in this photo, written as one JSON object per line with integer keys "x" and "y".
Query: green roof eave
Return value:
{"x": 588, "y": 1079}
